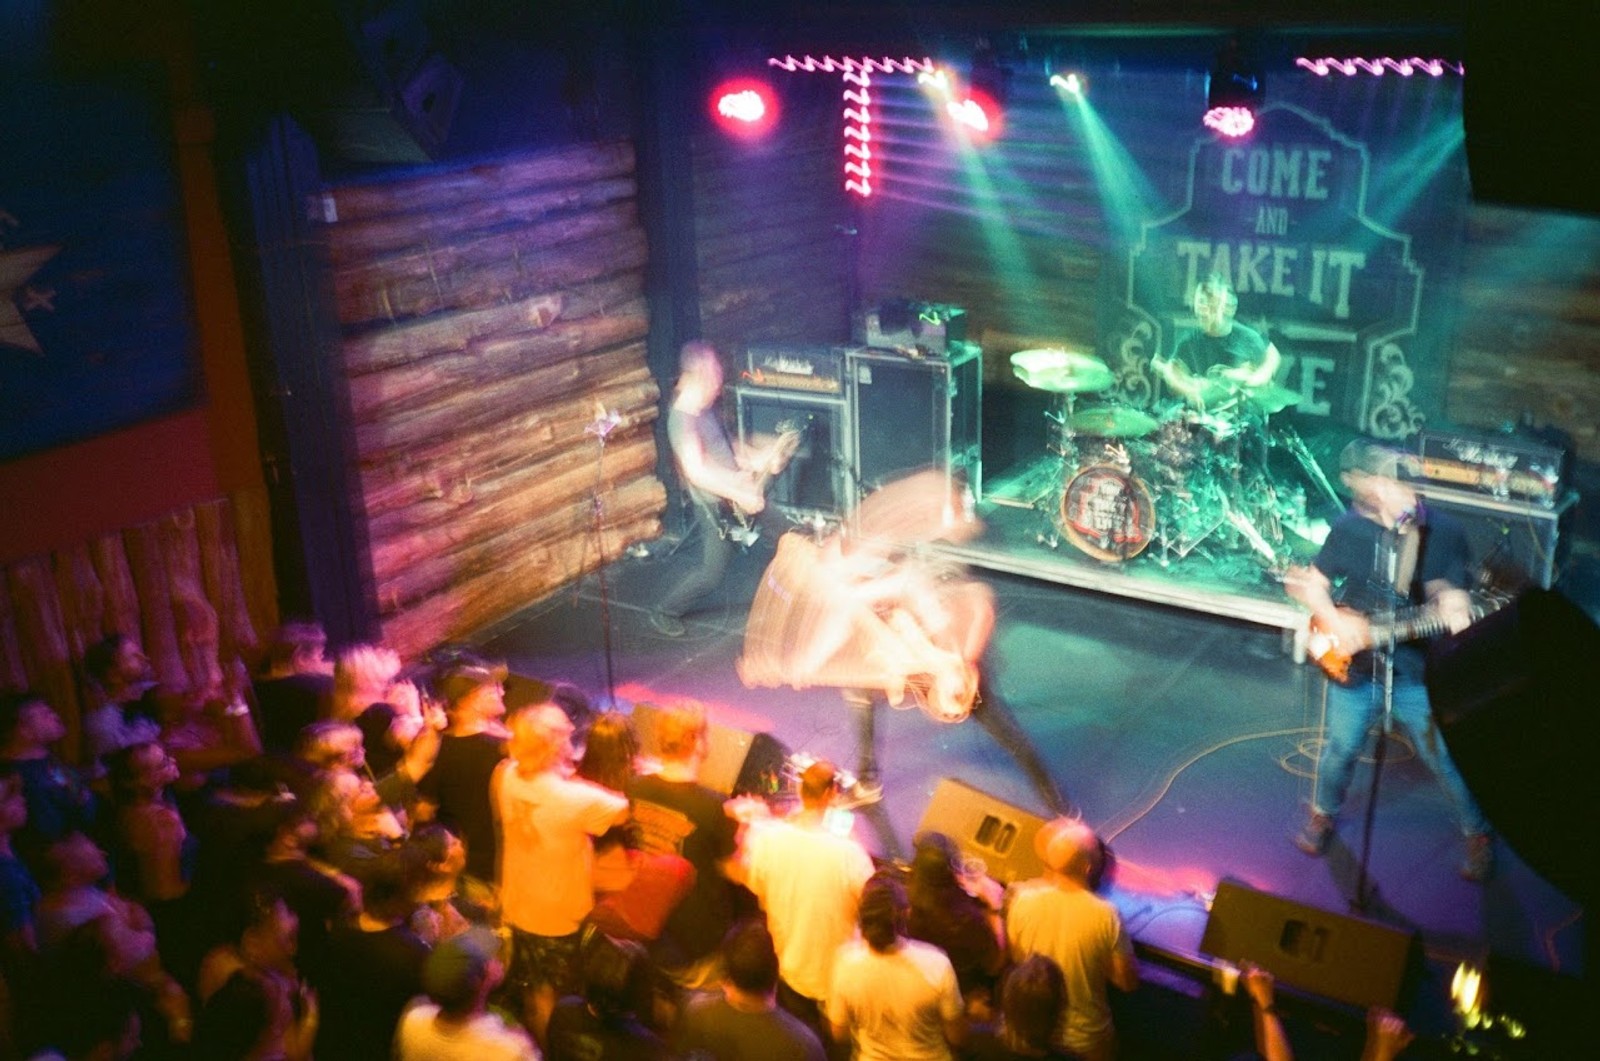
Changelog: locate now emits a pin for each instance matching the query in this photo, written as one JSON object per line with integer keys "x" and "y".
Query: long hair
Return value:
{"x": 609, "y": 752}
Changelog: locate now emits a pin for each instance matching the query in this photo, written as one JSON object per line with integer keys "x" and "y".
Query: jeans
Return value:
{"x": 1351, "y": 713}
{"x": 716, "y": 553}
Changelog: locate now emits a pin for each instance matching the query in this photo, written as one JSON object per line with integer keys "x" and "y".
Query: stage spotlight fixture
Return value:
{"x": 1233, "y": 92}
{"x": 1072, "y": 83}
{"x": 744, "y": 107}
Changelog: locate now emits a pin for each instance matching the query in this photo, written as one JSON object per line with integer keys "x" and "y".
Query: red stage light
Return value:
{"x": 745, "y": 107}
{"x": 978, "y": 115}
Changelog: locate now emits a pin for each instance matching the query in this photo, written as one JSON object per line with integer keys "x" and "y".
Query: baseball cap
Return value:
{"x": 463, "y": 680}
{"x": 454, "y": 971}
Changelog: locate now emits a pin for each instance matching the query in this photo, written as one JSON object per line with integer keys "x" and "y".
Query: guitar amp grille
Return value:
{"x": 816, "y": 480}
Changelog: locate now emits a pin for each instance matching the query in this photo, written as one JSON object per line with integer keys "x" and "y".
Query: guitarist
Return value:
{"x": 1385, "y": 552}
{"x": 714, "y": 473}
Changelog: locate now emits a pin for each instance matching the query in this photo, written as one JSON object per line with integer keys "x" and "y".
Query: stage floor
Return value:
{"x": 1184, "y": 736}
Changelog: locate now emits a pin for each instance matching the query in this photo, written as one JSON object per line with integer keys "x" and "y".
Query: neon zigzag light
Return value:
{"x": 1380, "y": 65}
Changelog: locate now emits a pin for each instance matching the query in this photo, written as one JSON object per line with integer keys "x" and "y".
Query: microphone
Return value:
{"x": 605, "y": 421}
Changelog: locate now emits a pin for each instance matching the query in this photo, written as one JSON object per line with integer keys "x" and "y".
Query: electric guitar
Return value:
{"x": 1407, "y": 624}
{"x": 737, "y": 526}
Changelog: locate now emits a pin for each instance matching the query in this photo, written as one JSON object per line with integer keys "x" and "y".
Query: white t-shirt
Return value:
{"x": 421, "y": 1037}
{"x": 1080, "y": 932}
{"x": 809, "y": 882}
{"x": 895, "y": 1004}
{"x": 547, "y": 823}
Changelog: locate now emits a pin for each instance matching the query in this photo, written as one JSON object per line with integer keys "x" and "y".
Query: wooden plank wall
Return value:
{"x": 194, "y": 587}
{"x": 487, "y": 311}
{"x": 771, "y": 236}
{"x": 1529, "y": 343}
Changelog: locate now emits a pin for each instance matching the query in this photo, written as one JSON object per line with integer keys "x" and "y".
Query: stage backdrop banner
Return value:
{"x": 96, "y": 328}
{"x": 1283, "y": 214}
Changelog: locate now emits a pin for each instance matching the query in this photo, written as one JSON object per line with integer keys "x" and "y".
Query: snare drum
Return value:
{"x": 1108, "y": 512}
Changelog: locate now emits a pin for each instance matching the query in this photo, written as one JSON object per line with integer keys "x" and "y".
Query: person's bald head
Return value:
{"x": 1068, "y": 847}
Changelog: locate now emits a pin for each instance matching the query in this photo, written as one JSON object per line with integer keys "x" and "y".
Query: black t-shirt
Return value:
{"x": 959, "y": 925}
{"x": 458, "y": 785}
{"x": 575, "y": 1034}
{"x": 319, "y": 901}
{"x": 289, "y": 704}
{"x": 685, "y": 818}
{"x": 1355, "y": 558}
{"x": 712, "y": 1030}
{"x": 1202, "y": 352}
{"x": 363, "y": 985}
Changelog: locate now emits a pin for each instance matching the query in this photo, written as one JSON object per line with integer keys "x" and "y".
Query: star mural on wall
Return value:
{"x": 16, "y": 267}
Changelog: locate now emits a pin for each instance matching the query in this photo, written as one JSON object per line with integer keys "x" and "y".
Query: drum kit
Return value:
{"x": 1175, "y": 481}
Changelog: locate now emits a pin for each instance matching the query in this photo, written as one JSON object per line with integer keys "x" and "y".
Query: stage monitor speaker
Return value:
{"x": 913, "y": 413}
{"x": 1514, "y": 696}
{"x": 737, "y": 763}
{"x": 985, "y": 827}
{"x": 816, "y": 479}
{"x": 1347, "y": 959}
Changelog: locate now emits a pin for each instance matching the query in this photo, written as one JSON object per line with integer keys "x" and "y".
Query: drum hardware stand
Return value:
{"x": 1384, "y": 678}
{"x": 1302, "y": 455}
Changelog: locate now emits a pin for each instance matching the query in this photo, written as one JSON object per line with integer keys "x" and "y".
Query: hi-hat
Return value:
{"x": 1061, "y": 371}
{"x": 1112, "y": 421}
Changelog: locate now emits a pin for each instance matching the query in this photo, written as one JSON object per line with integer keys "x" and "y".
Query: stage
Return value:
{"x": 1184, "y": 735}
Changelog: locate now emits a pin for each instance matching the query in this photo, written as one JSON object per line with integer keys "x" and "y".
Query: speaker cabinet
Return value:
{"x": 1527, "y": 535}
{"x": 738, "y": 762}
{"x": 816, "y": 480}
{"x": 913, "y": 413}
{"x": 1348, "y": 959}
{"x": 987, "y": 828}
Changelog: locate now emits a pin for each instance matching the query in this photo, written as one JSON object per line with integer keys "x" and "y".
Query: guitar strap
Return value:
{"x": 1405, "y": 568}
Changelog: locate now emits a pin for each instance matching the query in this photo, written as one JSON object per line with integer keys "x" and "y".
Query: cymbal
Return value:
{"x": 1272, "y": 398}
{"x": 1112, "y": 422}
{"x": 1061, "y": 371}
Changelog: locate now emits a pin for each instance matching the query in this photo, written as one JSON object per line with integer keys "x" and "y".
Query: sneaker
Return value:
{"x": 667, "y": 625}
{"x": 1313, "y": 839}
{"x": 1479, "y": 861}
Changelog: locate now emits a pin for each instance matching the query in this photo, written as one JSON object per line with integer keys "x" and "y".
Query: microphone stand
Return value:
{"x": 1389, "y": 543}
{"x": 600, "y": 428}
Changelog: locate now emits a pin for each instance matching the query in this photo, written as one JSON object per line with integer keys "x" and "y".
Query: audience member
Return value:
{"x": 1059, "y": 916}
{"x": 604, "y": 1024}
{"x": 371, "y": 968}
{"x": 100, "y": 1025}
{"x": 456, "y": 789}
{"x": 445, "y": 908}
{"x": 203, "y": 734}
{"x": 1032, "y": 997}
{"x": 809, "y": 879}
{"x": 548, "y": 821}
{"x": 253, "y": 1017}
{"x": 294, "y": 687}
{"x": 58, "y": 800}
{"x": 454, "y": 1023}
{"x": 895, "y": 998}
{"x": 744, "y": 1019}
{"x": 19, "y": 895}
{"x": 362, "y": 676}
{"x": 678, "y": 815}
{"x": 119, "y": 675}
{"x": 319, "y": 895}
{"x": 965, "y": 926}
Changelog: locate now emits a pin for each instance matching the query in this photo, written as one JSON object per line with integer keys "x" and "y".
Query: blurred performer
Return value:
{"x": 715, "y": 474}
{"x": 869, "y": 612}
{"x": 1387, "y": 550}
{"x": 1222, "y": 351}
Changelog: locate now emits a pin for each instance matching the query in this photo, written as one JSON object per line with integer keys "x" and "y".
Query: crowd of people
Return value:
{"x": 358, "y": 859}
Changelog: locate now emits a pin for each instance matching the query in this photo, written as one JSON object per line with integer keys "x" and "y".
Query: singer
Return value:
{"x": 1387, "y": 551}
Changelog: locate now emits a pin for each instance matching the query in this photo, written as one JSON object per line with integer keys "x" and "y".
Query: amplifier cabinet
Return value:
{"x": 913, "y": 413}
{"x": 1526, "y": 533}
{"x": 816, "y": 481}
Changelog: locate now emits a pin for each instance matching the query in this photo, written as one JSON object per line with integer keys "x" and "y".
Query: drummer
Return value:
{"x": 1223, "y": 357}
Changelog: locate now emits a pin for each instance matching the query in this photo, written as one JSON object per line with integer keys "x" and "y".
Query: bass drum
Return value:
{"x": 1108, "y": 513}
